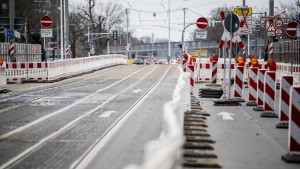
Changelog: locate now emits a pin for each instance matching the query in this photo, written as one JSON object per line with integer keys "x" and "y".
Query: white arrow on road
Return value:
{"x": 226, "y": 115}
{"x": 137, "y": 91}
{"x": 107, "y": 113}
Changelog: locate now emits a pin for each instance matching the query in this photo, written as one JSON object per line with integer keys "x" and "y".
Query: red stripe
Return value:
{"x": 253, "y": 85}
{"x": 294, "y": 146}
{"x": 270, "y": 92}
{"x": 39, "y": 65}
{"x": 241, "y": 45}
{"x": 272, "y": 75}
{"x": 251, "y": 98}
{"x": 14, "y": 66}
{"x": 30, "y": 65}
{"x": 222, "y": 15}
{"x": 236, "y": 94}
{"x": 259, "y": 101}
{"x": 22, "y": 65}
{"x": 221, "y": 43}
{"x": 267, "y": 107}
{"x": 207, "y": 66}
{"x": 297, "y": 89}
{"x": 283, "y": 117}
{"x": 238, "y": 81}
{"x": 285, "y": 97}
{"x": 192, "y": 82}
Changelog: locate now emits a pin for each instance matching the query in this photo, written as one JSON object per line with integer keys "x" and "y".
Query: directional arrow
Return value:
{"x": 226, "y": 115}
{"x": 137, "y": 91}
{"x": 107, "y": 113}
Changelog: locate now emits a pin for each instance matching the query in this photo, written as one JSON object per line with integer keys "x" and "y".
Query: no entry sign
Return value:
{"x": 291, "y": 29}
{"x": 202, "y": 23}
{"x": 46, "y": 21}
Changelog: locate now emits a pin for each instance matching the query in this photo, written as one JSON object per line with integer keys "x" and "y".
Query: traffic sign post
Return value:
{"x": 202, "y": 23}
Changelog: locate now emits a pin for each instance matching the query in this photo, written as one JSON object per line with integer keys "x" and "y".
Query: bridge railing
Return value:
{"x": 53, "y": 70}
{"x": 165, "y": 152}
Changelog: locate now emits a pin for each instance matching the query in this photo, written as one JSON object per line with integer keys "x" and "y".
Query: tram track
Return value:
{"x": 38, "y": 143}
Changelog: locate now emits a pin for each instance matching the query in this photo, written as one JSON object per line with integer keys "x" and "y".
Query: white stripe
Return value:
{"x": 46, "y": 21}
{"x": 269, "y": 101}
{"x": 295, "y": 98}
{"x": 284, "y": 107}
{"x": 291, "y": 29}
{"x": 202, "y": 23}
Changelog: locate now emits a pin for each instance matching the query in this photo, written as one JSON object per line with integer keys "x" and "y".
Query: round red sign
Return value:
{"x": 202, "y": 23}
{"x": 291, "y": 29}
{"x": 46, "y": 21}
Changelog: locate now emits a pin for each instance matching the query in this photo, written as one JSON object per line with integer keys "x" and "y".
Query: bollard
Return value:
{"x": 238, "y": 82}
{"x": 284, "y": 103}
{"x": 191, "y": 69}
{"x": 269, "y": 95}
{"x": 214, "y": 67}
{"x": 252, "y": 86}
{"x": 293, "y": 156}
{"x": 260, "y": 89}
{"x": 184, "y": 65}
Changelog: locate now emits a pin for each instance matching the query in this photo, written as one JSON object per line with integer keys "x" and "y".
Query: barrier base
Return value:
{"x": 269, "y": 115}
{"x": 251, "y": 104}
{"x": 227, "y": 102}
{"x": 240, "y": 99}
{"x": 258, "y": 108}
{"x": 199, "y": 154}
{"x": 198, "y": 146}
{"x": 200, "y": 163}
{"x": 282, "y": 125}
{"x": 291, "y": 158}
{"x": 197, "y": 112}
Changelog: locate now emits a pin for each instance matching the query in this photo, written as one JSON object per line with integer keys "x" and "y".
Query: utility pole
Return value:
{"x": 152, "y": 45}
{"x": 182, "y": 42}
{"x": 127, "y": 37}
{"x": 65, "y": 30}
{"x": 169, "y": 30}
{"x": 61, "y": 31}
{"x": 12, "y": 17}
{"x": 271, "y": 13}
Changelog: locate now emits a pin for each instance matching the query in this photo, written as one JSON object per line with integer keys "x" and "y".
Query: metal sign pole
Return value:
{"x": 230, "y": 53}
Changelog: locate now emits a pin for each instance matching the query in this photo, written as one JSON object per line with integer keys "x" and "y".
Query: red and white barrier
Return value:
{"x": 271, "y": 49}
{"x": 214, "y": 66}
{"x": 269, "y": 95}
{"x": 184, "y": 65}
{"x": 253, "y": 71}
{"x": 238, "y": 82}
{"x": 260, "y": 89}
{"x": 12, "y": 49}
{"x": 294, "y": 127}
{"x": 191, "y": 69}
{"x": 284, "y": 102}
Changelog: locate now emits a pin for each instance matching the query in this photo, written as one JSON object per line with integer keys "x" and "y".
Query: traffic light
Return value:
{"x": 180, "y": 46}
{"x": 115, "y": 35}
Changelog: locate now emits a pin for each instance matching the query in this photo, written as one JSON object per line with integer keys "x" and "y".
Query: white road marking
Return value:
{"x": 226, "y": 115}
{"x": 137, "y": 91}
{"x": 91, "y": 153}
{"x": 107, "y": 113}
{"x": 9, "y": 108}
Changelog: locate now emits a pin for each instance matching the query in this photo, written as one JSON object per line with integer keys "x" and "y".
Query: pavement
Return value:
{"x": 244, "y": 139}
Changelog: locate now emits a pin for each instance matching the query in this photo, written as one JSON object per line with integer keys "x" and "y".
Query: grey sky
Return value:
{"x": 144, "y": 23}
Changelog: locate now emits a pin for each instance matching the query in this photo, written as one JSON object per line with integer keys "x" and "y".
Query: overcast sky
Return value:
{"x": 144, "y": 23}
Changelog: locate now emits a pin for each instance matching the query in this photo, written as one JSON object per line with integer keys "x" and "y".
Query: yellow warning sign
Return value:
{"x": 243, "y": 11}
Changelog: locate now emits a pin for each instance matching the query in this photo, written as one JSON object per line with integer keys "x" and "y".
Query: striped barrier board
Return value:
{"x": 253, "y": 71}
{"x": 191, "y": 69}
{"x": 293, "y": 154}
{"x": 214, "y": 66}
{"x": 284, "y": 102}
{"x": 269, "y": 95}
{"x": 238, "y": 82}
{"x": 260, "y": 89}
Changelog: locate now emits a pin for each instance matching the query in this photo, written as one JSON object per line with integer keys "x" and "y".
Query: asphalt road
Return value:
{"x": 246, "y": 141}
{"x": 84, "y": 121}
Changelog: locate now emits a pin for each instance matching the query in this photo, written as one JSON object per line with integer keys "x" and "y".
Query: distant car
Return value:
{"x": 138, "y": 61}
{"x": 163, "y": 62}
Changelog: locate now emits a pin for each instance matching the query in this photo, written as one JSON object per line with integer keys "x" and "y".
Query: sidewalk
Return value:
{"x": 246, "y": 141}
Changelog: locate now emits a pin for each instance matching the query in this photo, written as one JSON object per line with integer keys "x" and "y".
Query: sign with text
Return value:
{"x": 201, "y": 34}
{"x": 46, "y": 33}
